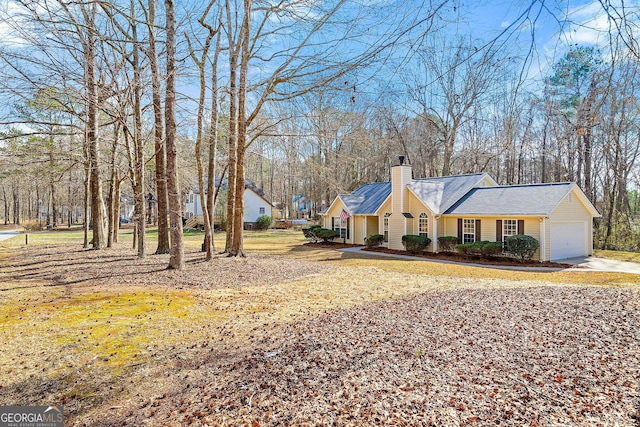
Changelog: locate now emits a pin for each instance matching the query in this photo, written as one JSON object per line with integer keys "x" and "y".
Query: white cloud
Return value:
{"x": 589, "y": 23}
{"x": 10, "y": 23}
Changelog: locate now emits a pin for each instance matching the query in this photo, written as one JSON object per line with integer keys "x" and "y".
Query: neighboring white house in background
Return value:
{"x": 472, "y": 207}
{"x": 255, "y": 205}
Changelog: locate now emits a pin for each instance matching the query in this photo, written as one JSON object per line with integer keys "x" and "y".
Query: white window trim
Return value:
{"x": 473, "y": 227}
{"x": 423, "y": 225}
{"x": 514, "y": 227}
{"x": 385, "y": 226}
{"x": 504, "y": 230}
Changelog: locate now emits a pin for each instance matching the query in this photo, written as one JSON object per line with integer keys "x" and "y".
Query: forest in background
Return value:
{"x": 303, "y": 98}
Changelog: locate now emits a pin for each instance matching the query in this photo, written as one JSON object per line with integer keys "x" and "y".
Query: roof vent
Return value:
{"x": 401, "y": 158}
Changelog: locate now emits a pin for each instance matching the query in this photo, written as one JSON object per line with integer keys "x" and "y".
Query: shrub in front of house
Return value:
{"x": 374, "y": 240}
{"x": 521, "y": 246}
{"x": 263, "y": 222}
{"x": 491, "y": 249}
{"x": 325, "y": 234}
{"x": 473, "y": 249}
{"x": 415, "y": 244}
{"x": 483, "y": 248}
{"x": 309, "y": 233}
{"x": 447, "y": 243}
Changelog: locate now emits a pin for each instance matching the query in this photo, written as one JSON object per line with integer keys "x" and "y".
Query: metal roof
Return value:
{"x": 440, "y": 193}
{"x": 532, "y": 199}
{"x": 366, "y": 199}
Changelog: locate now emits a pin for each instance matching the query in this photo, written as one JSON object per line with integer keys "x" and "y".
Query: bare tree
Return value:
{"x": 201, "y": 63}
{"x": 176, "y": 260}
{"x": 160, "y": 148}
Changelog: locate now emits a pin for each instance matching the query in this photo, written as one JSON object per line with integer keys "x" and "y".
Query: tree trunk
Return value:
{"x": 160, "y": 149}
{"x": 241, "y": 146}
{"x": 97, "y": 203}
{"x": 116, "y": 208}
{"x": 138, "y": 144}
{"x": 16, "y": 203}
{"x": 201, "y": 64}
{"x": 233, "y": 134}
{"x": 213, "y": 144}
{"x": 112, "y": 212}
{"x": 176, "y": 260}
{"x": 87, "y": 195}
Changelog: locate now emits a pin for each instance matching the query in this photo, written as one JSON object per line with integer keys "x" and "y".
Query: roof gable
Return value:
{"x": 366, "y": 199}
{"x": 532, "y": 199}
{"x": 440, "y": 193}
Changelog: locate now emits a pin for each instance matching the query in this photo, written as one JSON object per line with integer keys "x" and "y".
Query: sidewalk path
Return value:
{"x": 4, "y": 235}
{"x": 577, "y": 264}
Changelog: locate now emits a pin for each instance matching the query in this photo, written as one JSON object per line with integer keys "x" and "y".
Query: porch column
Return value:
{"x": 543, "y": 240}
{"x": 364, "y": 228}
{"x": 434, "y": 239}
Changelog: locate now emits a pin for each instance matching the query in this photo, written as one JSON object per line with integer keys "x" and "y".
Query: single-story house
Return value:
{"x": 255, "y": 205}
{"x": 472, "y": 207}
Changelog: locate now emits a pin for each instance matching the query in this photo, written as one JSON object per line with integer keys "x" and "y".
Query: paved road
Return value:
{"x": 4, "y": 235}
{"x": 581, "y": 263}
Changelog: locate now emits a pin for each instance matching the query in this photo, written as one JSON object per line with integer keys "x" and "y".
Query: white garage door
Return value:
{"x": 568, "y": 240}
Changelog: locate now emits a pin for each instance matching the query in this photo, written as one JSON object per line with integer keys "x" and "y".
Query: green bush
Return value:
{"x": 521, "y": 246}
{"x": 447, "y": 243}
{"x": 481, "y": 248}
{"x": 263, "y": 222}
{"x": 470, "y": 249}
{"x": 374, "y": 240}
{"x": 415, "y": 244}
{"x": 325, "y": 234}
{"x": 309, "y": 232}
{"x": 490, "y": 249}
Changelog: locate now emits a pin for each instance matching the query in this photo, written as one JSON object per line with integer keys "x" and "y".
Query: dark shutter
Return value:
{"x": 498, "y": 230}
{"x": 521, "y": 226}
{"x": 478, "y": 231}
{"x": 333, "y": 220}
{"x": 459, "y": 230}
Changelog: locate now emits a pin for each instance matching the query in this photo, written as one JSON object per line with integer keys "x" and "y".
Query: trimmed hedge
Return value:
{"x": 522, "y": 246}
{"x": 481, "y": 248}
{"x": 374, "y": 240}
{"x": 447, "y": 243}
{"x": 309, "y": 232}
{"x": 415, "y": 244}
{"x": 263, "y": 222}
{"x": 325, "y": 234}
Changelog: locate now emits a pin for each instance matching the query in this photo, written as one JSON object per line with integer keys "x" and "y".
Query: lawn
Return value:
{"x": 299, "y": 334}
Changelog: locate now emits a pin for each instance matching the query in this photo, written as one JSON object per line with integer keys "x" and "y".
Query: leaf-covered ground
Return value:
{"x": 307, "y": 336}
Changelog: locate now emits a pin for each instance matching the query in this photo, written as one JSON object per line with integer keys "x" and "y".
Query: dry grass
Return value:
{"x": 619, "y": 255}
{"x": 97, "y": 330}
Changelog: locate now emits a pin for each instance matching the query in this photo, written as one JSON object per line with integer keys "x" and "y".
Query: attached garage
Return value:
{"x": 568, "y": 240}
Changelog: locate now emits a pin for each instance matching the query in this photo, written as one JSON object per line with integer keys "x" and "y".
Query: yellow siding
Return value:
{"x": 372, "y": 225}
{"x": 386, "y": 207}
{"x": 396, "y": 230}
{"x": 334, "y": 210}
{"x": 400, "y": 177}
{"x": 416, "y": 207}
{"x": 570, "y": 209}
{"x": 486, "y": 182}
{"x": 488, "y": 227}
